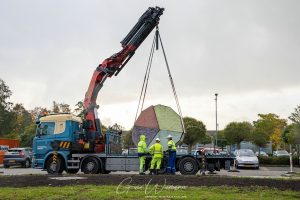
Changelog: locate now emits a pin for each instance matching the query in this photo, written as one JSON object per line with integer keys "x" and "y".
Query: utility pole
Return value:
{"x": 216, "y": 99}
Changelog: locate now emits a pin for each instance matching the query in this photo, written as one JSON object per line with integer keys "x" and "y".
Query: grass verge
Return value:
{"x": 145, "y": 192}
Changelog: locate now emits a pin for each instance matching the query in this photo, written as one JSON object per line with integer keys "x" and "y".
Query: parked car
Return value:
{"x": 130, "y": 151}
{"x": 224, "y": 152}
{"x": 18, "y": 156}
{"x": 262, "y": 153}
{"x": 181, "y": 151}
{"x": 280, "y": 153}
{"x": 211, "y": 151}
{"x": 246, "y": 158}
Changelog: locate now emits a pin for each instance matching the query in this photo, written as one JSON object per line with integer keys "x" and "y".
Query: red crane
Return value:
{"x": 112, "y": 66}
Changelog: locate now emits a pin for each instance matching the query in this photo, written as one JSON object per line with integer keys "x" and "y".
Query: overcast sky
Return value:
{"x": 247, "y": 51}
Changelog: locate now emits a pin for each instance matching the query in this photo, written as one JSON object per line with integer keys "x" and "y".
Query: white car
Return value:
{"x": 246, "y": 158}
{"x": 262, "y": 153}
{"x": 281, "y": 153}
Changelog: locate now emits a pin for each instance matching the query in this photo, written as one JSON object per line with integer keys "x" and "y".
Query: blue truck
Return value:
{"x": 64, "y": 142}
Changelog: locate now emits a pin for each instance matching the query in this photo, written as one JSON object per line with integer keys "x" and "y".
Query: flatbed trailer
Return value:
{"x": 185, "y": 164}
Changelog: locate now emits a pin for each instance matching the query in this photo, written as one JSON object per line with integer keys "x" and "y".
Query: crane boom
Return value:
{"x": 112, "y": 66}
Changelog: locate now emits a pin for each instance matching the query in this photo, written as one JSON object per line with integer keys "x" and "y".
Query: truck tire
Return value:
{"x": 72, "y": 171}
{"x": 188, "y": 166}
{"x": 90, "y": 165}
{"x": 50, "y": 166}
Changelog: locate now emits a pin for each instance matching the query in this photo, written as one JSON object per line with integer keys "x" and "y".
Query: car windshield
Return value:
{"x": 14, "y": 150}
{"x": 246, "y": 153}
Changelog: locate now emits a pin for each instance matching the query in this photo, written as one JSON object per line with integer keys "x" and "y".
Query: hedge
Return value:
{"x": 278, "y": 160}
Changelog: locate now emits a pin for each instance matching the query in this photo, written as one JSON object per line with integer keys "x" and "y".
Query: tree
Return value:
{"x": 295, "y": 116}
{"x": 38, "y": 111}
{"x": 28, "y": 135}
{"x": 6, "y": 116}
{"x": 79, "y": 110}
{"x": 236, "y": 132}
{"x": 55, "y": 107}
{"x": 261, "y": 133}
{"x": 60, "y": 107}
{"x": 291, "y": 135}
{"x": 274, "y": 126}
{"x": 22, "y": 118}
{"x": 221, "y": 141}
{"x": 195, "y": 130}
{"x": 64, "y": 108}
{"x": 206, "y": 139}
{"x": 127, "y": 140}
{"x": 5, "y": 94}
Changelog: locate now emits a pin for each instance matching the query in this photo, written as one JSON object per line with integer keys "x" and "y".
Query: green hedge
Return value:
{"x": 277, "y": 160}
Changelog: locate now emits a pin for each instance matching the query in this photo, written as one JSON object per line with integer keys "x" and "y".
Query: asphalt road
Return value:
{"x": 263, "y": 172}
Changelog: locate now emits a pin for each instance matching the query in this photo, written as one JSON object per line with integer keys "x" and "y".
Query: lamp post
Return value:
{"x": 216, "y": 99}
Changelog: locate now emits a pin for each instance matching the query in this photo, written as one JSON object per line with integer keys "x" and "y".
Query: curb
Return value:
{"x": 278, "y": 166}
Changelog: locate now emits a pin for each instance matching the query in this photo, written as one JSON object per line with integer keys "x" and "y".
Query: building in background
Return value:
{"x": 6, "y": 144}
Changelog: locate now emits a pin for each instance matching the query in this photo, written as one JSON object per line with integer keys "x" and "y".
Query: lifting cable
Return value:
{"x": 146, "y": 78}
{"x": 157, "y": 39}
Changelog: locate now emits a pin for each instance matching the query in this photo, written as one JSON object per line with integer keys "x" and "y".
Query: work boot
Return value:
{"x": 142, "y": 173}
{"x": 156, "y": 171}
{"x": 151, "y": 172}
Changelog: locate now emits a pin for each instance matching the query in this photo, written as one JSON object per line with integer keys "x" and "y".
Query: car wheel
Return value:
{"x": 90, "y": 166}
{"x": 26, "y": 163}
{"x": 54, "y": 168}
{"x": 188, "y": 166}
{"x": 6, "y": 166}
{"x": 257, "y": 167}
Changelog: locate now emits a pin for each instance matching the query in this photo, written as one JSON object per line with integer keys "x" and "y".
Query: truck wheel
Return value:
{"x": 72, "y": 171}
{"x": 188, "y": 166}
{"x": 90, "y": 166}
{"x": 53, "y": 168}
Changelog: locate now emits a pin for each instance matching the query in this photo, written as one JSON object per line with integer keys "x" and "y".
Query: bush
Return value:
{"x": 277, "y": 160}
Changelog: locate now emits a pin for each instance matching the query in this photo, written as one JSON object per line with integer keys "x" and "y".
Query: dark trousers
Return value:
{"x": 171, "y": 162}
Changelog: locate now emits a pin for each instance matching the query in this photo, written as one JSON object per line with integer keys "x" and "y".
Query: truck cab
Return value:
{"x": 59, "y": 127}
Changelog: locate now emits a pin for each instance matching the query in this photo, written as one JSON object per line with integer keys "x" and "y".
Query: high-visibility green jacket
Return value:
{"x": 157, "y": 150}
{"x": 171, "y": 145}
{"x": 142, "y": 146}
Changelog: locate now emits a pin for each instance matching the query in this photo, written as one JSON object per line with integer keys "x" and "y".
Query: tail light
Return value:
{"x": 22, "y": 154}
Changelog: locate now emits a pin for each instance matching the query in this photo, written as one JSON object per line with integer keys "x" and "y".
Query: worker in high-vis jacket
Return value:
{"x": 142, "y": 152}
{"x": 156, "y": 150}
{"x": 172, "y": 156}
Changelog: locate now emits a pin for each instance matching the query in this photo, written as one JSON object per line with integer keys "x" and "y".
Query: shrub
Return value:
{"x": 277, "y": 160}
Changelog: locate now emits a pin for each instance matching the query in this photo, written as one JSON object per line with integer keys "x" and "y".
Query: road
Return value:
{"x": 263, "y": 172}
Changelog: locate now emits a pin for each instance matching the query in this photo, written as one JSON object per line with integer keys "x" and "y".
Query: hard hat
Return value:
{"x": 157, "y": 139}
{"x": 169, "y": 136}
{"x": 142, "y": 137}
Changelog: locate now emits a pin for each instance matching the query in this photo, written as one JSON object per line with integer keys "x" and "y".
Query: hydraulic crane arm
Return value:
{"x": 113, "y": 65}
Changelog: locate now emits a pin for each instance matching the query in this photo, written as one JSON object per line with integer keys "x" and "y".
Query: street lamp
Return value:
{"x": 216, "y": 99}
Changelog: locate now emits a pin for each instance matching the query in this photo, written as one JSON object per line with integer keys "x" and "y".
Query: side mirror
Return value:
{"x": 38, "y": 132}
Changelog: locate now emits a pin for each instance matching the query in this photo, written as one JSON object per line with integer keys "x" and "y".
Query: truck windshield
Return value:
{"x": 47, "y": 128}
